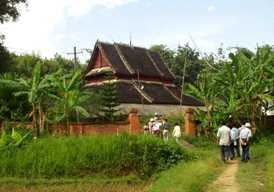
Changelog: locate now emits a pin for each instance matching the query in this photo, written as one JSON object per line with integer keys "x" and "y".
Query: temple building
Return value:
{"x": 143, "y": 80}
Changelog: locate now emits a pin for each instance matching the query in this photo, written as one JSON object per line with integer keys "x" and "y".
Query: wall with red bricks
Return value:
{"x": 132, "y": 125}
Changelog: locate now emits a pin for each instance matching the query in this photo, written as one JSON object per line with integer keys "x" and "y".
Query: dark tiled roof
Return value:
{"x": 128, "y": 93}
{"x": 139, "y": 61}
{"x": 186, "y": 100}
{"x": 161, "y": 65}
{"x": 143, "y": 62}
{"x": 114, "y": 58}
{"x": 159, "y": 94}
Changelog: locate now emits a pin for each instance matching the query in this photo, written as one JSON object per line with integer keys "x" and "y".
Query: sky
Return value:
{"x": 47, "y": 27}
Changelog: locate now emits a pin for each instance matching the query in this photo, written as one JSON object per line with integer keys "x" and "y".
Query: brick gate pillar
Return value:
{"x": 133, "y": 118}
{"x": 190, "y": 126}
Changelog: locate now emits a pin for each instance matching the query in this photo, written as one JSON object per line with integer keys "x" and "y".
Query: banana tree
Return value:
{"x": 205, "y": 91}
{"x": 69, "y": 98}
{"x": 37, "y": 90}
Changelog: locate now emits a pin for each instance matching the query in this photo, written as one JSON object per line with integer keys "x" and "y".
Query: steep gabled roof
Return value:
{"x": 132, "y": 61}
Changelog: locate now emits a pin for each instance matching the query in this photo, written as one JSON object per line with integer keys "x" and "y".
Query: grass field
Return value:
{"x": 258, "y": 174}
{"x": 192, "y": 176}
{"x": 122, "y": 184}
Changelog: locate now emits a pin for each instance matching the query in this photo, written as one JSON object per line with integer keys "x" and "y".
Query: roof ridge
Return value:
{"x": 154, "y": 64}
{"x": 143, "y": 93}
{"x": 127, "y": 65}
{"x": 175, "y": 96}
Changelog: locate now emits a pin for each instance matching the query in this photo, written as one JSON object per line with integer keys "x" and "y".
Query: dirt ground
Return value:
{"x": 226, "y": 182}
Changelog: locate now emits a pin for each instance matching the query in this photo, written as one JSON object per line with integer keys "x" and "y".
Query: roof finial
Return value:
{"x": 130, "y": 39}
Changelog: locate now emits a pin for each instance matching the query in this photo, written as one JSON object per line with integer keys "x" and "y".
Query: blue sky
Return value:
{"x": 206, "y": 25}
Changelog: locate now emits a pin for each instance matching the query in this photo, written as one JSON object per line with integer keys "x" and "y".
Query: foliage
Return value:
{"x": 191, "y": 176}
{"x": 69, "y": 97}
{"x": 110, "y": 104}
{"x": 5, "y": 58}
{"x": 9, "y": 9}
{"x": 236, "y": 88}
{"x": 15, "y": 139}
{"x": 11, "y": 107}
{"x": 112, "y": 155}
{"x": 185, "y": 61}
{"x": 37, "y": 91}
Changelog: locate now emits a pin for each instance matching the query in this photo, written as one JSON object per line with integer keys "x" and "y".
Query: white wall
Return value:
{"x": 151, "y": 109}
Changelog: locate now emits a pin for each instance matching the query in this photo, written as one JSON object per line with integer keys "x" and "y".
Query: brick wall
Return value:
{"x": 132, "y": 125}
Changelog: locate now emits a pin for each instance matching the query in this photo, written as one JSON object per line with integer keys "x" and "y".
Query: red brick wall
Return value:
{"x": 131, "y": 126}
{"x": 88, "y": 128}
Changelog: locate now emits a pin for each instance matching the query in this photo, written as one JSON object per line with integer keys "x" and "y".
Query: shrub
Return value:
{"x": 88, "y": 155}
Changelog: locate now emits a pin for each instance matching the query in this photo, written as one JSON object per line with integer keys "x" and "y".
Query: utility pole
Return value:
{"x": 75, "y": 53}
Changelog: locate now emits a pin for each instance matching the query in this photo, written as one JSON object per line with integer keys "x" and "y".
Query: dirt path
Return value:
{"x": 226, "y": 182}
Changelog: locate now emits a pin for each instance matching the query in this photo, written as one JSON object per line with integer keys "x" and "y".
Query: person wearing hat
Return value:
{"x": 245, "y": 136}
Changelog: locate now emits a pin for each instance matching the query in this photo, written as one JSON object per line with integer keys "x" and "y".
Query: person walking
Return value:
{"x": 177, "y": 132}
{"x": 234, "y": 144}
{"x": 223, "y": 136}
{"x": 165, "y": 127}
{"x": 245, "y": 137}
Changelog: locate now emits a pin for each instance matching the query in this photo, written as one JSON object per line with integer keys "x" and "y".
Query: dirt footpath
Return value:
{"x": 226, "y": 182}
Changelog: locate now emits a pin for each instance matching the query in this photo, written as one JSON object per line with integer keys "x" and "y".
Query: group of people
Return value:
{"x": 159, "y": 126}
{"x": 231, "y": 140}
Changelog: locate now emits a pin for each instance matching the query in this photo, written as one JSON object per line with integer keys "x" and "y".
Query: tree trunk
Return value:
{"x": 41, "y": 119}
{"x": 35, "y": 127}
{"x": 253, "y": 117}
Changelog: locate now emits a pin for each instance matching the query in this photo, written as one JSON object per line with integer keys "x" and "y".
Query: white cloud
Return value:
{"x": 211, "y": 8}
{"x": 34, "y": 29}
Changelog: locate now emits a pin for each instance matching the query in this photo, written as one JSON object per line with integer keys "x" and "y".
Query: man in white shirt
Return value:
{"x": 224, "y": 141}
{"x": 245, "y": 136}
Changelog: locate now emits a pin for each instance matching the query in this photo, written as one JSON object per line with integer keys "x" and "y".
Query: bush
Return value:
{"x": 201, "y": 141}
{"x": 88, "y": 155}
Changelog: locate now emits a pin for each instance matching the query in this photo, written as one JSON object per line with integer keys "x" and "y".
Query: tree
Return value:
{"x": 11, "y": 107}
{"x": 110, "y": 102}
{"x": 187, "y": 63}
{"x": 9, "y": 9}
{"x": 70, "y": 99}
{"x": 5, "y": 59}
{"x": 36, "y": 90}
{"x": 240, "y": 85}
{"x": 184, "y": 62}
{"x": 167, "y": 54}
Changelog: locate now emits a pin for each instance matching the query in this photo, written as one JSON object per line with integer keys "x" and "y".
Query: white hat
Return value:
{"x": 247, "y": 125}
{"x": 151, "y": 119}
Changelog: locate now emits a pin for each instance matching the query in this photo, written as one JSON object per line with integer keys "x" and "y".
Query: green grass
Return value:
{"x": 100, "y": 184}
{"x": 91, "y": 155}
{"x": 270, "y": 169}
{"x": 258, "y": 174}
{"x": 193, "y": 176}
{"x": 251, "y": 175}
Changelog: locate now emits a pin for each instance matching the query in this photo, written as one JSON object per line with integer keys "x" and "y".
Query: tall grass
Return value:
{"x": 88, "y": 155}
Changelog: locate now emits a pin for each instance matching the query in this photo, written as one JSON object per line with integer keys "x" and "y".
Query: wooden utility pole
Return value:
{"x": 75, "y": 53}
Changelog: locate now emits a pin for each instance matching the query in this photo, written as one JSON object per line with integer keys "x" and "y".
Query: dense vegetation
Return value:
{"x": 86, "y": 156}
{"x": 237, "y": 87}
